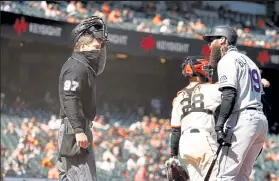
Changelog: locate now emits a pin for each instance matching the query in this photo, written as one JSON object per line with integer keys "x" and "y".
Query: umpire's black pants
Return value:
{"x": 78, "y": 168}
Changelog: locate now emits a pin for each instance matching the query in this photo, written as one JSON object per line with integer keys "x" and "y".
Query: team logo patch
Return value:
{"x": 223, "y": 79}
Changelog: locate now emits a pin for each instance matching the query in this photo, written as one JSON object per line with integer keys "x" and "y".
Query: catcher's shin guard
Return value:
{"x": 176, "y": 173}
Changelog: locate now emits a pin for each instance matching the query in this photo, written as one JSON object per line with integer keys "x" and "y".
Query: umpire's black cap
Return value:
{"x": 222, "y": 31}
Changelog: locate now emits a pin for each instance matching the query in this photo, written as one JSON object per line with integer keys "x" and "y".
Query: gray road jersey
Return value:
{"x": 239, "y": 71}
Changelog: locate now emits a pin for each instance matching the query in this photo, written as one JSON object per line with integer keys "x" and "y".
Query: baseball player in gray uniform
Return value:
{"x": 241, "y": 107}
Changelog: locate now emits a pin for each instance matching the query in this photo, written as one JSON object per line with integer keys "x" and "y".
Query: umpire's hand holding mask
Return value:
{"x": 89, "y": 38}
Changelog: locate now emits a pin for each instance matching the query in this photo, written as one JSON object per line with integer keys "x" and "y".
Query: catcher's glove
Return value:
{"x": 175, "y": 172}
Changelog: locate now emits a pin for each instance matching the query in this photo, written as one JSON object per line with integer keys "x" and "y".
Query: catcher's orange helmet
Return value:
{"x": 197, "y": 66}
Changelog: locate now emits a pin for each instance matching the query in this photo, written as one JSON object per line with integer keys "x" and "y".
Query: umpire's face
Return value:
{"x": 95, "y": 44}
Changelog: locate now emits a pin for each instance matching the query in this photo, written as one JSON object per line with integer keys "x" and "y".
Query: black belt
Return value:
{"x": 251, "y": 108}
{"x": 194, "y": 130}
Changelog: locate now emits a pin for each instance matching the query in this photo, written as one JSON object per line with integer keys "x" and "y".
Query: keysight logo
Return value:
{"x": 21, "y": 25}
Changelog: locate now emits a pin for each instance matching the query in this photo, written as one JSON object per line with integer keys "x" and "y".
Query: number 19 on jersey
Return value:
{"x": 255, "y": 80}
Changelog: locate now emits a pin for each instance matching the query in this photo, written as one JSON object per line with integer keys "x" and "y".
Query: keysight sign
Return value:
{"x": 21, "y": 26}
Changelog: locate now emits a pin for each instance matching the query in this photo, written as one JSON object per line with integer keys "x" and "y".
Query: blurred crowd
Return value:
{"x": 176, "y": 18}
{"x": 136, "y": 152}
{"x": 33, "y": 139}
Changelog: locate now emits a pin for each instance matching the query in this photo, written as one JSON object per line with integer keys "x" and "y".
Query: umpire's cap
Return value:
{"x": 222, "y": 31}
{"x": 94, "y": 26}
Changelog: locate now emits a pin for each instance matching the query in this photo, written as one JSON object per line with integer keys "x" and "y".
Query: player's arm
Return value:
{"x": 72, "y": 89}
{"x": 176, "y": 127}
{"x": 227, "y": 73}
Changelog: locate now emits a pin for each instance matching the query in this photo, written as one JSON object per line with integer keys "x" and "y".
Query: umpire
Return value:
{"x": 77, "y": 92}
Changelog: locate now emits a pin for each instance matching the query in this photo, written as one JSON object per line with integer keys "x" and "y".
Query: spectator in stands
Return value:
{"x": 270, "y": 177}
{"x": 141, "y": 173}
{"x": 132, "y": 163}
{"x": 156, "y": 102}
{"x": 53, "y": 173}
{"x": 50, "y": 146}
{"x": 48, "y": 160}
{"x": 99, "y": 123}
{"x": 157, "y": 20}
{"x": 154, "y": 125}
{"x": 125, "y": 15}
{"x": 142, "y": 148}
{"x": 2, "y": 100}
{"x": 106, "y": 9}
{"x": 49, "y": 12}
{"x": 43, "y": 5}
{"x": 100, "y": 15}
{"x": 3, "y": 159}
{"x": 71, "y": 8}
{"x": 80, "y": 9}
{"x": 71, "y": 18}
{"x": 199, "y": 25}
{"x": 129, "y": 145}
{"x": 58, "y": 12}
{"x": 141, "y": 27}
{"x": 145, "y": 122}
{"x": 180, "y": 27}
{"x": 260, "y": 23}
{"x": 154, "y": 173}
{"x": 165, "y": 28}
{"x": 10, "y": 171}
{"x": 54, "y": 124}
{"x": 108, "y": 154}
{"x": 162, "y": 166}
{"x": 131, "y": 15}
{"x": 18, "y": 103}
{"x": 115, "y": 16}
{"x": 10, "y": 131}
{"x": 107, "y": 165}
{"x": 7, "y": 6}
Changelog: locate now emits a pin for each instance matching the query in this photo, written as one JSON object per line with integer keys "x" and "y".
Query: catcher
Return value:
{"x": 193, "y": 120}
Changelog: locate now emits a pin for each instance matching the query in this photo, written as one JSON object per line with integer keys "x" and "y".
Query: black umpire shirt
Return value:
{"x": 77, "y": 91}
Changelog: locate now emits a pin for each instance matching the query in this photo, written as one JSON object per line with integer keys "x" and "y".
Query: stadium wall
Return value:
{"x": 21, "y": 27}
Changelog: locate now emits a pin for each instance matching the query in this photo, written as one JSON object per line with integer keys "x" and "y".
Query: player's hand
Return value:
{"x": 265, "y": 83}
{"x": 172, "y": 161}
{"x": 221, "y": 137}
{"x": 82, "y": 140}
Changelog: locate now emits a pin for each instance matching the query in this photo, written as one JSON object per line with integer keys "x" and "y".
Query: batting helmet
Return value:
{"x": 197, "y": 66}
{"x": 222, "y": 31}
{"x": 94, "y": 26}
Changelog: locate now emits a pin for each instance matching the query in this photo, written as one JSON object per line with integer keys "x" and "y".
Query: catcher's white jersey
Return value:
{"x": 239, "y": 71}
{"x": 206, "y": 96}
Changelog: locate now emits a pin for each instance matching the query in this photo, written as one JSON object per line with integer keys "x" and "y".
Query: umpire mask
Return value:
{"x": 95, "y": 27}
{"x": 97, "y": 59}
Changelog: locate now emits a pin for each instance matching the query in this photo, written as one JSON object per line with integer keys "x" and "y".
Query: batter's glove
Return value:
{"x": 172, "y": 161}
{"x": 221, "y": 137}
{"x": 174, "y": 171}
